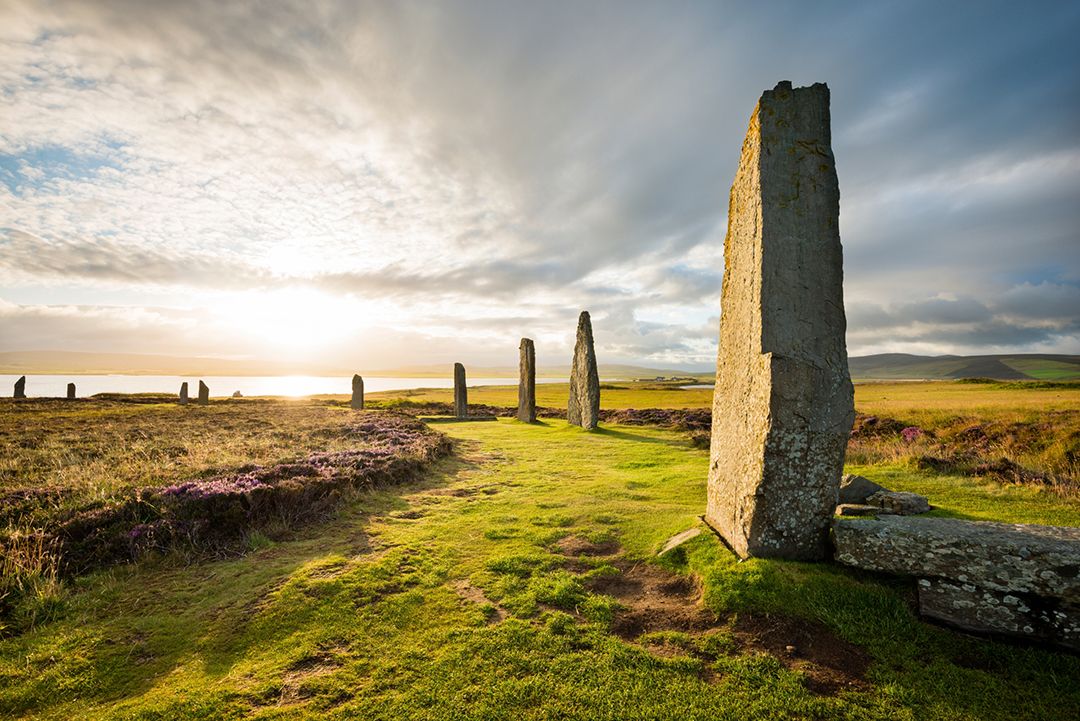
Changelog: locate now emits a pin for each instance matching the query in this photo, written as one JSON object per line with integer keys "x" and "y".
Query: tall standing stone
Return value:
{"x": 20, "y": 387}
{"x": 783, "y": 404}
{"x": 584, "y": 407}
{"x": 71, "y": 391}
{"x": 204, "y": 394}
{"x": 183, "y": 394}
{"x": 357, "y": 392}
{"x": 526, "y": 411}
{"x": 461, "y": 394}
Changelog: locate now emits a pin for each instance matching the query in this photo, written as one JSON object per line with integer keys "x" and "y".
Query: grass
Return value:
{"x": 454, "y": 597}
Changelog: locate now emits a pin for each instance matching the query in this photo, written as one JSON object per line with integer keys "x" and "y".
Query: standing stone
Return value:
{"x": 357, "y": 392}
{"x": 461, "y": 394}
{"x": 20, "y": 387}
{"x": 71, "y": 391}
{"x": 526, "y": 412}
{"x": 783, "y": 405}
{"x": 584, "y": 408}
{"x": 183, "y": 394}
{"x": 204, "y": 394}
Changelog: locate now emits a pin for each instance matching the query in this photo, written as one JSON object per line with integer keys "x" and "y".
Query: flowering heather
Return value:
{"x": 911, "y": 434}
{"x": 215, "y": 512}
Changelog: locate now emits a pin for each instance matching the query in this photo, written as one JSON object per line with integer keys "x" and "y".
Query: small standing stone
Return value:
{"x": 526, "y": 412}
{"x": 357, "y": 392}
{"x": 461, "y": 394}
{"x": 183, "y": 394}
{"x": 71, "y": 391}
{"x": 20, "y": 388}
{"x": 204, "y": 394}
{"x": 584, "y": 407}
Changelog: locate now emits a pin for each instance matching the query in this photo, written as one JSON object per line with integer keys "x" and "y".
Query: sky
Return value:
{"x": 383, "y": 184}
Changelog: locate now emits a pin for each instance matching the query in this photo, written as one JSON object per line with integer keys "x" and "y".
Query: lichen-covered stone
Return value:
{"x": 204, "y": 394}
{"x": 1012, "y": 613}
{"x": 71, "y": 391}
{"x": 584, "y": 407}
{"x": 526, "y": 410}
{"x": 856, "y": 489}
{"x": 1006, "y": 557}
{"x": 183, "y": 393}
{"x": 461, "y": 393}
{"x": 20, "y": 387}
{"x": 357, "y": 401}
{"x": 902, "y": 503}
{"x": 783, "y": 405}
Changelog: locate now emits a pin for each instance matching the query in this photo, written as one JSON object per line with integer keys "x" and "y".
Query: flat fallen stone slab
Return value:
{"x": 1009, "y": 557}
{"x": 999, "y": 578}
{"x": 972, "y": 608}
{"x": 678, "y": 539}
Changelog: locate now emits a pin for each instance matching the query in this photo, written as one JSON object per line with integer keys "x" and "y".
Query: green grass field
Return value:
{"x": 519, "y": 581}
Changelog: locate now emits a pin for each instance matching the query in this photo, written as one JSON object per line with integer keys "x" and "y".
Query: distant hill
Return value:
{"x": 1008, "y": 366}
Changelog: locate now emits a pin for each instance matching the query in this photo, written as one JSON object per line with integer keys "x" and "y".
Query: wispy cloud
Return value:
{"x": 429, "y": 175}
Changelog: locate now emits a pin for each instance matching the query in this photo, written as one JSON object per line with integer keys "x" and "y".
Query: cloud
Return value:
{"x": 488, "y": 163}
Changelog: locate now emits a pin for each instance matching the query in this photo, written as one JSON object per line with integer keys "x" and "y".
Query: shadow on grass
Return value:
{"x": 640, "y": 438}
{"x": 219, "y": 612}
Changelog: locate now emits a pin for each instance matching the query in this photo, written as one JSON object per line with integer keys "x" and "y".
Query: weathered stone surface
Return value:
{"x": 783, "y": 405}
{"x": 584, "y": 408}
{"x": 526, "y": 411}
{"x": 1014, "y": 613}
{"x": 183, "y": 394}
{"x": 20, "y": 387}
{"x": 858, "y": 509}
{"x": 856, "y": 489}
{"x": 71, "y": 391}
{"x": 1006, "y": 557}
{"x": 901, "y": 503}
{"x": 357, "y": 401}
{"x": 204, "y": 394}
{"x": 461, "y": 393}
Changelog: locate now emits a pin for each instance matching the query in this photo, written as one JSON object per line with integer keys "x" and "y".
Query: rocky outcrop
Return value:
{"x": 783, "y": 405}
{"x": 357, "y": 402}
{"x": 461, "y": 393}
{"x": 526, "y": 410}
{"x": 856, "y": 489}
{"x": 204, "y": 394}
{"x": 901, "y": 503}
{"x": 20, "y": 388}
{"x": 584, "y": 407}
{"x": 1002, "y": 578}
{"x": 183, "y": 393}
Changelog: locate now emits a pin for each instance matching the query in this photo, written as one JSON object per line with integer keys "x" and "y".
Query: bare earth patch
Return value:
{"x": 472, "y": 594}
{"x": 577, "y": 546}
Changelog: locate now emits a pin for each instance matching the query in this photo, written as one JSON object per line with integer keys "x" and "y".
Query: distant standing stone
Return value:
{"x": 183, "y": 394}
{"x": 584, "y": 407}
{"x": 204, "y": 394}
{"x": 461, "y": 394}
{"x": 357, "y": 392}
{"x": 71, "y": 391}
{"x": 237, "y": 394}
{"x": 783, "y": 405}
{"x": 20, "y": 388}
{"x": 526, "y": 411}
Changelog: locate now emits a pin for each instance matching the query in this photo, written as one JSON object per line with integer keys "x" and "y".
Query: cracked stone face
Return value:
{"x": 584, "y": 407}
{"x": 784, "y": 403}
